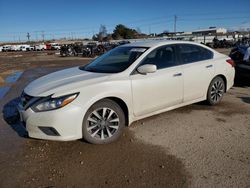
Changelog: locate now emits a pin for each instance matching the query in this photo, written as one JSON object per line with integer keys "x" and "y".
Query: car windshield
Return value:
{"x": 116, "y": 60}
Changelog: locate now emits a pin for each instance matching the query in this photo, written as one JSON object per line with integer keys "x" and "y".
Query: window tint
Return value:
{"x": 162, "y": 57}
{"x": 192, "y": 53}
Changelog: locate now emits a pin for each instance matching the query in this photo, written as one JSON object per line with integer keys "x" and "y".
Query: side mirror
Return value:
{"x": 147, "y": 68}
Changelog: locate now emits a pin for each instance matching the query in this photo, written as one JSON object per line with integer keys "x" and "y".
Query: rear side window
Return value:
{"x": 190, "y": 53}
{"x": 162, "y": 57}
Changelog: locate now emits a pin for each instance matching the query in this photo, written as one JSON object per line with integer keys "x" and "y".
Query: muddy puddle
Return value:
{"x": 28, "y": 76}
{"x": 13, "y": 77}
{"x": 6, "y": 83}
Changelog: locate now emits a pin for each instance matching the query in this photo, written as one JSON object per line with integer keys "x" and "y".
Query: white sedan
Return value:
{"x": 96, "y": 101}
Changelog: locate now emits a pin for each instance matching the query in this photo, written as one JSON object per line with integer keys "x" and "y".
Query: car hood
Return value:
{"x": 64, "y": 81}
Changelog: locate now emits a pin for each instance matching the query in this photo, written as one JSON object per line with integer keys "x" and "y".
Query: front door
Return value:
{"x": 159, "y": 90}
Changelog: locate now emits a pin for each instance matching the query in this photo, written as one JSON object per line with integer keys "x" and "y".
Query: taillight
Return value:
{"x": 231, "y": 62}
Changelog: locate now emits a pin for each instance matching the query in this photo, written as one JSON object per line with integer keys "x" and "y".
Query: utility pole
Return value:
{"x": 28, "y": 36}
{"x": 175, "y": 20}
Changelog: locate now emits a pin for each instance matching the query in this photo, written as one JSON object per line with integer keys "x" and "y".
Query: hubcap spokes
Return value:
{"x": 102, "y": 123}
{"x": 217, "y": 91}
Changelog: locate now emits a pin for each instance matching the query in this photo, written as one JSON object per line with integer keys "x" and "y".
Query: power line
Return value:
{"x": 147, "y": 23}
{"x": 163, "y": 18}
{"x": 214, "y": 18}
{"x": 146, "y": 20}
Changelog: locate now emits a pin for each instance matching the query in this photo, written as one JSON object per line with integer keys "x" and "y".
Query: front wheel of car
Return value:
{"x": 103, "y": 123}
{"x": 216, "y": 91}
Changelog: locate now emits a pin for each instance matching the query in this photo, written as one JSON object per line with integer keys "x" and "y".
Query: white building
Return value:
{"x": 210, "y": 31}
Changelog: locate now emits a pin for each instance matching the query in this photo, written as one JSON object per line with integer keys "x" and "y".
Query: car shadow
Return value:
{"x": 241, "y": 82}
{"x": 12, "y": 118}
{"x": 245, "y": 99}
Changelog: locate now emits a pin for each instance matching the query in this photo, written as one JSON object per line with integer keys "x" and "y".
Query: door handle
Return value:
{"x": 209, "y": 66}
{"x": 177, "y": 74}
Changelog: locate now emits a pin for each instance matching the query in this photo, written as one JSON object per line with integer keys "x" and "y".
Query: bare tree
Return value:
{"x": 102, "y": 32}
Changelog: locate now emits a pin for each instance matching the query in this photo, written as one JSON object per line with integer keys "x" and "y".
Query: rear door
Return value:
{"x": 198, "y": 70}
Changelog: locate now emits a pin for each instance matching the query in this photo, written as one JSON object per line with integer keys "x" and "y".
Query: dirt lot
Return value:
{"x": 194, "y": 146}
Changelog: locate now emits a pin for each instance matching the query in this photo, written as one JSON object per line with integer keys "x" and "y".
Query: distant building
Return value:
{"x": 210, "y": 31}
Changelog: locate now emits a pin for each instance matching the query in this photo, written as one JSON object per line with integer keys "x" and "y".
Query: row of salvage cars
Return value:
{"x": 28, "y": 47}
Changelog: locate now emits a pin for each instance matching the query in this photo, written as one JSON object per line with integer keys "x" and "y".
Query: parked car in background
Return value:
{"x": 48, "y": 46}
{"x": 6, "y": 48}
{"x": 224, "y": 43}
{"x": 14, "y": 47}
{"x": 40, "y": 47}
{"x": 17, "y": 47}
{"x": 25, "y": 47}
{"x": 55, "y": 46}
{"x": 242, "y": 66}
{"x": 128, "y": 83}
{"x": 31, "y": 48}
{"x": 1, "y": 48}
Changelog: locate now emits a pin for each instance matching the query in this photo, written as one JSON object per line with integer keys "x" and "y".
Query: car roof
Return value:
{"x": 154, "y": 43}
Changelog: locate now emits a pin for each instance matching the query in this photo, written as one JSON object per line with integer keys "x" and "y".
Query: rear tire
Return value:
{"x": 103, "y": 123}
{"x": 216, "y": 91}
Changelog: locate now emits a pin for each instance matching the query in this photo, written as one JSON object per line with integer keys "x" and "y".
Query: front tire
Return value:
{"x": 216, "y": 91}
{"x": 103, "y": 123}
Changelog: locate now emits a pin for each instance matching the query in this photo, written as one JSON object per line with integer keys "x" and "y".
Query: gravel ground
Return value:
{"x": 194, "y": 146}
{"x": 212, "y": 142}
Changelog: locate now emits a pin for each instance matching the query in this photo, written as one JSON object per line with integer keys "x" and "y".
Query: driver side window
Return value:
{"x": 162, "y": 57}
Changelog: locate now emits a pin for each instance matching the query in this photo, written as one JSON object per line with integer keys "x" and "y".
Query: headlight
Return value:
{"x": 53, "y": 103}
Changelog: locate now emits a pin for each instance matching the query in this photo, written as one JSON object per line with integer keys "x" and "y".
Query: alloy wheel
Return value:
{"x": 102, "y": 123}
{"x": 217, "y": 91}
